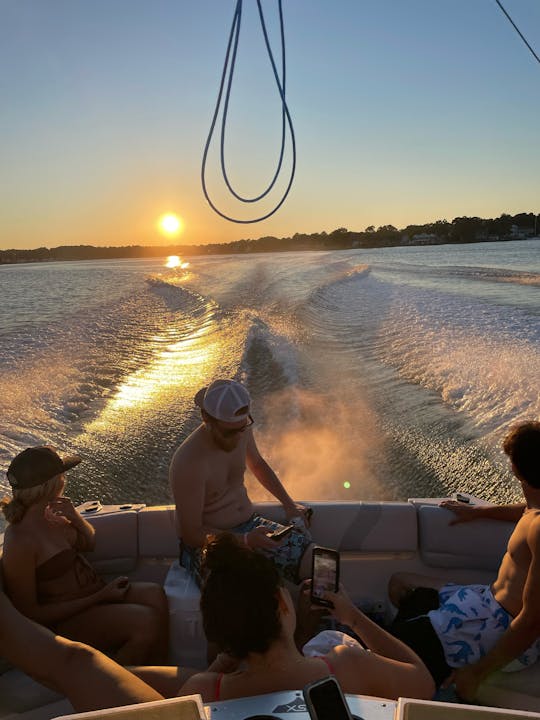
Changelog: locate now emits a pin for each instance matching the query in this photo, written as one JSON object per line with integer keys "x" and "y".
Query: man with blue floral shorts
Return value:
{"x": 207, "y": 480}
{"x": 467, "y": 632}
{"x": 287, "y": 555}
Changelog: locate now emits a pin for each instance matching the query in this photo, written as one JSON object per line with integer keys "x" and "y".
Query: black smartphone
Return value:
{"x": 325, "y": 700}
{"x": 280, "y": 534}
{"x": 463, "y": 498}
{"x": 324, "y": 574}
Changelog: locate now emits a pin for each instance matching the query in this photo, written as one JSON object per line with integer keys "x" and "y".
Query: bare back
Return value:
{"x": 510, "y": 583}
{"x": 208, "y": 486}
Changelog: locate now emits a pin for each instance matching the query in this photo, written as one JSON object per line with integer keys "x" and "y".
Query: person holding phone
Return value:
{"x": 249, "y": 614}
{"x": 206, "y": 476}
{"x": 49, "y": 579}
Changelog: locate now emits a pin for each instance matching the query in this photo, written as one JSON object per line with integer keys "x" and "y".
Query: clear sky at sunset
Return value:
{"x": 404, "y": 111}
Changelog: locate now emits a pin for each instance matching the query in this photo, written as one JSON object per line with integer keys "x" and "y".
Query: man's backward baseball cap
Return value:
{"x": 35, "y": 465}
{"x": 225, "y": 400}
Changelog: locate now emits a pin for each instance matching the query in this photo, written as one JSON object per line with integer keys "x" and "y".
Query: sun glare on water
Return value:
{"x": 170, "y": 224}
{"x": 173, "y": 261}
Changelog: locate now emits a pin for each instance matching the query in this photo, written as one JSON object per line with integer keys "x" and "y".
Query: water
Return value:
{"x": 375, "y": 374}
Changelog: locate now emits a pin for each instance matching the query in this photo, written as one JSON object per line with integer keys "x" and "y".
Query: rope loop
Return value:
{"x": 286, "y": 121}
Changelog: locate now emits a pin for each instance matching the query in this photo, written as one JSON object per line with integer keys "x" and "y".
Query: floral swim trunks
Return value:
{"x": 469, "y": 622}
{"x": 286, "y": 557}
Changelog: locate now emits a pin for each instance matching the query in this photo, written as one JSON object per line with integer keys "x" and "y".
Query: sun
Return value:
{"x": 170, "y": 224}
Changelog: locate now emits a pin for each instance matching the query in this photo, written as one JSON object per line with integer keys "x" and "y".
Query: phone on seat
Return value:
{"x": 324, "y": 574}
{"x": 325, "y": 700}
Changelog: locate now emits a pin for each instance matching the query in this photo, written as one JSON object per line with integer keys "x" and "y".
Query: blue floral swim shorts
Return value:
{"x": 469, "y": 622}
{"x": 287, "y": 556}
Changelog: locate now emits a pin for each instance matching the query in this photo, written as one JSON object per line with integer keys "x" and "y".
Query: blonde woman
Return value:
{"x": 49, "y": 580}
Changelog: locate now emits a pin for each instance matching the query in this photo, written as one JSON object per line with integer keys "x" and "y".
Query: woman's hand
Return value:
{"x": 115, "y": 591}
{"x": 344, "y": 611}
{"x": 61, "y": 510}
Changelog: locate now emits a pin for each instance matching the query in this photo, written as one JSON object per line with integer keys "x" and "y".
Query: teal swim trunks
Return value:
{"x": 287, "y": 556}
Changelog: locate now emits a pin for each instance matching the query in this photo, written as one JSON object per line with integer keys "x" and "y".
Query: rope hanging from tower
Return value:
{"x": 286, "y": 121}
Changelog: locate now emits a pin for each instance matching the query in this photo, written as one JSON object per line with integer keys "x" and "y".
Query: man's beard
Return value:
{"x": 224, "y": 445}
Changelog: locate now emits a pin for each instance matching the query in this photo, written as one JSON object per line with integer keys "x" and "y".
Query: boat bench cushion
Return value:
{"x": 366, "y": 527}
{"x": 474, "y": 545}
{"x": 117, "y": 544}
{"x": 19, "y": 693}
{"x": 518, "y": 690}
{"x": 157, "y": 532}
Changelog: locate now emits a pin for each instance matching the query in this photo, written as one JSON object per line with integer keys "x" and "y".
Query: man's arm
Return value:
{"x": 269, "y": 480}
{"x": 90, "y": 680}
{"x": 521, "y": 633}
{"x": 466, "y": 513}
{"x": 188, "y": 481}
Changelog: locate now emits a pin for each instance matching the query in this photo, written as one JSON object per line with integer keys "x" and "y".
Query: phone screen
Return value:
{"x": 325, "y": 573}
{"x": 328, "y": 702}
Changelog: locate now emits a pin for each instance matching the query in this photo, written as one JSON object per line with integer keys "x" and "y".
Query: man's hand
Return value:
{"x": 258, "y": 538}
{"x": 298, "y": 510}
{"x": 462, "y": 511}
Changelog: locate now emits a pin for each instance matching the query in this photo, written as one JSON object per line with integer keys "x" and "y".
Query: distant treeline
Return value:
{"x": 460, "y": 230}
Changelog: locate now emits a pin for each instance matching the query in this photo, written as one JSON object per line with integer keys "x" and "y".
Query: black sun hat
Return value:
{"x": 34, "y": 466}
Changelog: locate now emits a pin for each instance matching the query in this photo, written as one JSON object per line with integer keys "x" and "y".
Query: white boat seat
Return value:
{"x": 117, "y": 546}
{"x": 187, "y": 644}
{"x": 479, "y": 545}
{"x": 20, "y": 694}
{"x": 519, "y": 690}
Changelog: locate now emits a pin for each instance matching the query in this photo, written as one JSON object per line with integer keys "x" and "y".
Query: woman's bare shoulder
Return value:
{"x": 203, "y": 684}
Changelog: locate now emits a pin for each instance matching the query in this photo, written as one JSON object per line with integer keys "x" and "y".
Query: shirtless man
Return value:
{"x": 207, "y": 481}
{"x": 49, "y": 579}
{"x": 476, "y": 629}
{"x": 90, "y": 680}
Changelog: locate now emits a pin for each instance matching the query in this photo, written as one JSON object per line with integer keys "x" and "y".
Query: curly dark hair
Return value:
{"x": 239, "y": 597}
{"x": 522, "y": 445}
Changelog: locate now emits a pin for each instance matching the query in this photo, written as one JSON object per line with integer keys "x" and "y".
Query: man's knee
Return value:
{"x": 397, "y": 588}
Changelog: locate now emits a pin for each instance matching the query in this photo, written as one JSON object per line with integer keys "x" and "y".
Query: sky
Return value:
{"x": 404, "y": 111}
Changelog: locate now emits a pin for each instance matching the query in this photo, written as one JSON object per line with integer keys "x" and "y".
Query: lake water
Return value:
{"x": 375, "y": 374}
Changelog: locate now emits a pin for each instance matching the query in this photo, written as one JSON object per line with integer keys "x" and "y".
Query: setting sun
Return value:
{"x": 170, "y": 224}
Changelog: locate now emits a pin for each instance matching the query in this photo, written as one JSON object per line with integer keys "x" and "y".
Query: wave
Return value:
{"x": 270, "y": 359}
{"x": 481, "y": 360}
{"x": 479, "y": 273}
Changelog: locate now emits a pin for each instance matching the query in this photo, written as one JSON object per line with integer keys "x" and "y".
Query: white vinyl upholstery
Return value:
{"x": 117, "y": 546}
{"x": 366, "y": 527}
{"x": 157, "y": 532}
{"x": 478, "y": 545}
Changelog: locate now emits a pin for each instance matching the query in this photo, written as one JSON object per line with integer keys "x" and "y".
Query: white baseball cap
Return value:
{"x": 225, "y": 400}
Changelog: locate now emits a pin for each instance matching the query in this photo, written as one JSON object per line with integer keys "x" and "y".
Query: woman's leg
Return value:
{"x": 152, "y": 595}
{"x": 90, "y": 680}
{"x": 129, "y": 630}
